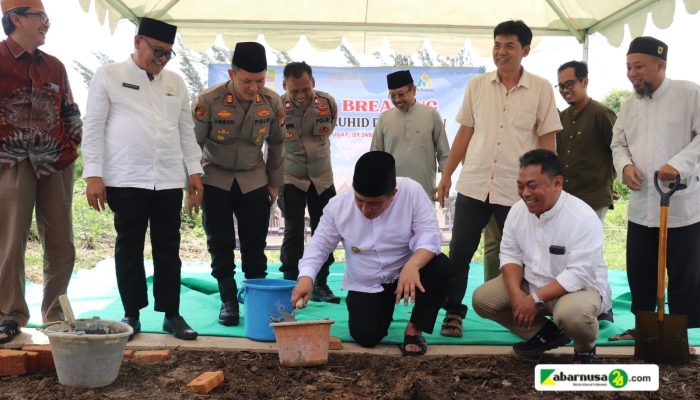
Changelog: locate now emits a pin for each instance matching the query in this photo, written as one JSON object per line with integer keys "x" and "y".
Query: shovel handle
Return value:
{"x": 67, "y": 309}
{"x": 666, "y": 195}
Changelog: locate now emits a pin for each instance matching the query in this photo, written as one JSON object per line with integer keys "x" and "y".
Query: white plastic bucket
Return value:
{"x": 90, "y": 359}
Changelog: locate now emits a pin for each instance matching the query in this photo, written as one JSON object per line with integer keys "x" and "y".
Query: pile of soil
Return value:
{"x": 251, "y": 375}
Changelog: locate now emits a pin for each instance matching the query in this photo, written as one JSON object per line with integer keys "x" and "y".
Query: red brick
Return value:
{"x": 334, "y": 343}
{"x": 32, "y": 362}
{"x": 151, "y": 356}
{"x": 128, "y": 354}
{"x": 206, "y": 382}
{"x": 45, "y": 356}
{"x": 13, "y": 362}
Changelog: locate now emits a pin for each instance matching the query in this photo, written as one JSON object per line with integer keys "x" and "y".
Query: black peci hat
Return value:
{"x": 375, "y": 174}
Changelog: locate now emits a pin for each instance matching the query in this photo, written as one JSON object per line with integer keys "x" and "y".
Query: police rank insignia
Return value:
{"x": 223, "y": 114}
{"x": 229, "y": 99}
{"x": 261, "y": 130}
{"x": 356, "y": 249}
{"x": 221, "y": 133}
{"x": 323, "y": 113}
{"x": 200, "y": 111}
{"x": 263, "y": 113}
{"x": 290, "y": 135}
{"x": 258, "y": 138}
{"x": 258, "y": 99}
{"x": 288, "y": 105}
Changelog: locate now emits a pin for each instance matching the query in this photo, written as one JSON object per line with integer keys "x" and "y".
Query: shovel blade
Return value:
{"x": 661, "y": 342}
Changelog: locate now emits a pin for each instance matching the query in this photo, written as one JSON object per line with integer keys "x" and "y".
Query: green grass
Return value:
{"x": 94, "y": 238}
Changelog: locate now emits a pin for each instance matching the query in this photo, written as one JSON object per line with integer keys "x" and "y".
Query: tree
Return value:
{"x": 401, "y": 60}
{"x": 615, "y": 99}
{"x": 461, "y": 59}
{"x": 85, "y": 72}
{"x": 349, "y": 57}
{"x": 425, "y": 58}
{"x": 283, "y": 58}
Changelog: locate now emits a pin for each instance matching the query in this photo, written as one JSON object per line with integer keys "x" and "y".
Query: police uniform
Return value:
{"x": 308, "y": 175}
{"x": 231, "y": 133}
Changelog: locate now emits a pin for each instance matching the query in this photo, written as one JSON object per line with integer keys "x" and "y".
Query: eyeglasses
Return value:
{"x": 568, "y": 85}
{"x": 399, "y": 95}
{"x": 168, "y": 54}
{"x": 42, "y": 16}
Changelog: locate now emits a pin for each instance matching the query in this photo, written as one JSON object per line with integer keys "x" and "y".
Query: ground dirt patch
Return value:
{"x": 250, "y": 375}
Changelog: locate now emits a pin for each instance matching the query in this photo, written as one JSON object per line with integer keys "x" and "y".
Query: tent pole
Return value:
{"x": 584, "y": 46}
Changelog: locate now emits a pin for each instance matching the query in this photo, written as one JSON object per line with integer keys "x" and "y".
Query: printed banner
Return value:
{"x": 362, "y": 95}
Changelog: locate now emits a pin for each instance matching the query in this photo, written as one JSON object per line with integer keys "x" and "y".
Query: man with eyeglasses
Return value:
{"x": 583, "y": 145}
{"x": 233, "y": 121}
{"x": 310, "y": 117}
{"x": 505, "y": 113}
{"x": 413, "y": 133}
{"x": 138, "y": 152}
{"x": 40, "y": 130}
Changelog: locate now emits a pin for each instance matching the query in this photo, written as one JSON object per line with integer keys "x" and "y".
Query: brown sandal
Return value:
{"x": 452, "y": 326}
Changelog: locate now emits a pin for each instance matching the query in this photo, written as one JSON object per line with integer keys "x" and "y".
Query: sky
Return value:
{"x": 75, "y": 35}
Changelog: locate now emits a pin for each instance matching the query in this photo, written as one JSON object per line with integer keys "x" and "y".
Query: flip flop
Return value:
{"x": 626, "y": 335}
{"x": 10, "y": 329}
{"x": 452, "y": 326}
{"x": 418, "y": 340}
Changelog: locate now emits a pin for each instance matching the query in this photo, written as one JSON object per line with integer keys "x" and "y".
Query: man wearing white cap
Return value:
{"x": 40, "y": 130}
{"x": 657, "y": 130}
{"x": 138, "y": 135}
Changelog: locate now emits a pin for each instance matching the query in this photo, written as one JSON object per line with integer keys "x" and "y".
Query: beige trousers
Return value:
{"x": 575, "y": 313}
{"x": 20, "y": 193}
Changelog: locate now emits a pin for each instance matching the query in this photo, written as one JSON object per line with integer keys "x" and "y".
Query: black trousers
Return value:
{"x": 134, "y": 209}
{"x": 370, "y": 314}
{"x": 294, "y": 202}
{"x": 252, "y": 212}
{"x": 471, "y": 216}
{"x": 682, "y": 264}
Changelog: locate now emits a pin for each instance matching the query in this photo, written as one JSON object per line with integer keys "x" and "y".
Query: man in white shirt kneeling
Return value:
{"x": 392, "y": 249}
{"x": 551, "y": 264}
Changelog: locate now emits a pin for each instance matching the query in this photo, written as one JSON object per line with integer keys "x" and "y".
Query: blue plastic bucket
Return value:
{"x": 264, "y": 299}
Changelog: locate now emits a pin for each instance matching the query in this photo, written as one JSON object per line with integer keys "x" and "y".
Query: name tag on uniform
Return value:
{"x": 51, "y": 86}
{"x": 130, "y": 86}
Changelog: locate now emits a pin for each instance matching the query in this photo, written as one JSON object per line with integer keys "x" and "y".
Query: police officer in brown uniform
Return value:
{"x": 308, "y": 176}
{"x": 232, "y": 121}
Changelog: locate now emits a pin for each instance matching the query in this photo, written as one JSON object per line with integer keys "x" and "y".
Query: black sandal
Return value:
{"x": 9, "y": 328}
{"x": 418, "y": 340}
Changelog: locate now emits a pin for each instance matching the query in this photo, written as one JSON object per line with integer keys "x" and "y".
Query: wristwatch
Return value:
{"x": 539, "y": 304}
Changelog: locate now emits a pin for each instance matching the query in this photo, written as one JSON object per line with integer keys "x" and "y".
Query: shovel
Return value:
{"x": 662, "y": 338}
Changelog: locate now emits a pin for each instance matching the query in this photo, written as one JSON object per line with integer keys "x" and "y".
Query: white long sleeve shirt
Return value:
{"x": 652, "y": 132}
{"x": 375, "y": 249}
{"x": 138, "y": 132}
{"x": 570, "y": 224}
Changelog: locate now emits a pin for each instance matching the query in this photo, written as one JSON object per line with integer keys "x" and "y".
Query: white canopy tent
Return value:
{"x": 365, "y": 24}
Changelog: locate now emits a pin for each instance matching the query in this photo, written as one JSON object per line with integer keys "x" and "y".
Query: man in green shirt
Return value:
{"x": 583, "y": 144}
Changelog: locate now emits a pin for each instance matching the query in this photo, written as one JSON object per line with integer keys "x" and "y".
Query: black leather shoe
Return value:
{"x": 585, "y": 357}
{"x": 323, "y": 293}
{"x": 228, "y": 315}
{"x": 178, "y": 327}
{"x": 134, "y": 323}
{"x": 607, "y": 316}
{"x": 548, "y": 338}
